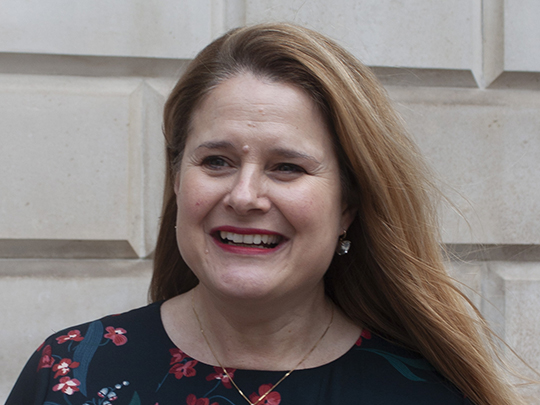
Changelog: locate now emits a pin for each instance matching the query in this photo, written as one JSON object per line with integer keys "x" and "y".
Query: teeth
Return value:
{"x": 255, "y": 239}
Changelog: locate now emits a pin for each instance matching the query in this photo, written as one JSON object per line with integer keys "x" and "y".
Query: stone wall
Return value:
{"x": 82, "y": 85}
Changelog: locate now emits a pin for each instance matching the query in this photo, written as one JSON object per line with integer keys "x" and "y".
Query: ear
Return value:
{"x": 347, "y": 217}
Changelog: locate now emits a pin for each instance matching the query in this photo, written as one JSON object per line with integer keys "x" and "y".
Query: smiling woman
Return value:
{"x": 298, "y": 259}
{"x": 259, "y": 163}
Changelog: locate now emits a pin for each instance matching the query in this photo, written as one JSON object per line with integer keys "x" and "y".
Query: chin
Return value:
{"x": 246, "y": 288}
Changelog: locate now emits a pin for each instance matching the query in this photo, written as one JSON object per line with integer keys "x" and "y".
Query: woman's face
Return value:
{"x": 258, "y": 192}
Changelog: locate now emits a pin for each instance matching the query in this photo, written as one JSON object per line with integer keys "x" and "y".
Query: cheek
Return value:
{"x": 192, "y": 200}
{"x": 194, "y": 204}
{"x": 312, "y": 208}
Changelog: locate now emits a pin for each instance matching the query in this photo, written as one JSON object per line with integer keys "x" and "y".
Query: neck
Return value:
{"x": 277, "y": 334}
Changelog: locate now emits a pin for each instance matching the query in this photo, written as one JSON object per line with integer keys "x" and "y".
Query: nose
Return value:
{"x": 247, "y": 191}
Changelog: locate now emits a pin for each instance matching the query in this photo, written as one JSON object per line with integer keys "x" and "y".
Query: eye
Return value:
{"x": 289, "y": 168}
{"x": 287, "y": 172}
{"x": 215, "y": 162}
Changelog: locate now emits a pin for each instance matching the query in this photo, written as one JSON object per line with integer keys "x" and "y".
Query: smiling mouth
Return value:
{"x": 259, "y": 241}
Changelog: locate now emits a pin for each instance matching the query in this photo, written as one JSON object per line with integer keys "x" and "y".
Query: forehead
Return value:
{"x": 259, "y": 93}
{"x": 277, "y": 110}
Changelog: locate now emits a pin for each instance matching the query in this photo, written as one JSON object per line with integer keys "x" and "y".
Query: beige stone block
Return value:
{"x": 158, "y": 28}
{"x": 227, "y": 14}
{"x": 399, "y": 76}
{"x": 415, "y": 33}
{"x": 484, "y": 148}
{"x": 521, "y": 304}
{"x": 468, "y": 277}
{"x": 152, "y": 159}
{"x": 509, "y": 300}
{"x": 90, "y": 66}
{"x": 82, "y": 159}
{"x": 39, "y": 297}
{"x": 521, "y": 35}
{"x": 493, "y": 305}
{"x": 489, "y": 52}
{"x": 521, "y": 288}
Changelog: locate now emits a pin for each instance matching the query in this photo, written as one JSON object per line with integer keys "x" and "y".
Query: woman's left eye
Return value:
{"x": 289, "y": 168}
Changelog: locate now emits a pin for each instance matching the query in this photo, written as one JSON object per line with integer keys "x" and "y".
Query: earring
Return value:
{"x": 343, "y": 245}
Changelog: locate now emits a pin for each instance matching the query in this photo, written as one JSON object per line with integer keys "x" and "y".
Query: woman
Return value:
{"x": 297, "y": 260}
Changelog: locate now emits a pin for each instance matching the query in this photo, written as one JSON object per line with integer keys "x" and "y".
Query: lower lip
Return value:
{"x": 242, "y": 250}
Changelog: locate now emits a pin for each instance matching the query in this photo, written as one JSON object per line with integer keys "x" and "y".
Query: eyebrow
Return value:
{"x": 293, "y": 154}
{"x": 216, "y": 145}
{"x": 283, "y": 152}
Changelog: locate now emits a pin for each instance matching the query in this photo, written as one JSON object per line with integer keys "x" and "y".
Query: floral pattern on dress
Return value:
{"x": 177, "y": 355}
{"x": 184, "y": 366}
{"x": 184, "y": 369}
{"x": 222, "y": 376}
{"x": 63, "y": 367}
{"x": 74, "y": 335}
{"x": 273, "y": 398}
{"x": 46, "y": 360}
{"x": 82, "y": 350}
{"x": 131, "y": 361}
{"x": 366, "y": 334}
{"x": 117, "y": 335}
{"x": 67, "y": 385}
{"x": 193, "y": 400}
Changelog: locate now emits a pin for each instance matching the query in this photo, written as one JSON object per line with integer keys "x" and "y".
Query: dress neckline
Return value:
{"x": 172, "y": 345}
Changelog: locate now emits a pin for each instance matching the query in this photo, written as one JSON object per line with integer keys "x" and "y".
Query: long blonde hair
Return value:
{"x": 393, "y": 282}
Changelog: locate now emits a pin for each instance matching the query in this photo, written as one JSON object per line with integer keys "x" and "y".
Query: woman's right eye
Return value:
{"x": 214, "y": 162}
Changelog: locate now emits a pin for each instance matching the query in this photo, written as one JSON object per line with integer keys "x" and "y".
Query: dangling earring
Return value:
{"x": 343, "y": 245}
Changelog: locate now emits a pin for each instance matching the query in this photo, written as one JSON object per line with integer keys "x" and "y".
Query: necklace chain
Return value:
{"x": 288, "y": 373}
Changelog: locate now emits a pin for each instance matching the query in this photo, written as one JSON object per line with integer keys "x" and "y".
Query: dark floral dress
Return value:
{"x": 128, "y": 359}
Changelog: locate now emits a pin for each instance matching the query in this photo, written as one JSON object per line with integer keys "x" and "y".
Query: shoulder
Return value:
{"x": 391, "y": 371}
{"x": 112, "y": 334}
{"x": 106, "y": 333}
{"x": 80, "y": 358}
{"x": 386, "y": 357}
{"x": 134, "y": 319}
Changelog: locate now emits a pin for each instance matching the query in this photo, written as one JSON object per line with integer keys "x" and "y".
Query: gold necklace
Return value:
{"x": 282, "y": 378}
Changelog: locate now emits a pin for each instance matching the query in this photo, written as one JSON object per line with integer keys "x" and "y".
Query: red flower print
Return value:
{"x": 67, "y": 385}
{"x": 72, "y": 335}
{"x": 179, "y": 369}
{"x": 192, "y": 400}
{"x": 116, "y": 335}
{"x": 63, "y": 366}
{"x": 271, "y": 399}
{"x": 177, "y": 355}
{"x": 366, "y": 334}
{"x": 46, "y": 360}
{"x": 220, "y": 375}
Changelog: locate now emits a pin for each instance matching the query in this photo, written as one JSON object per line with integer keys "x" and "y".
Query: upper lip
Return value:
{"x": 244, "y": 231}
